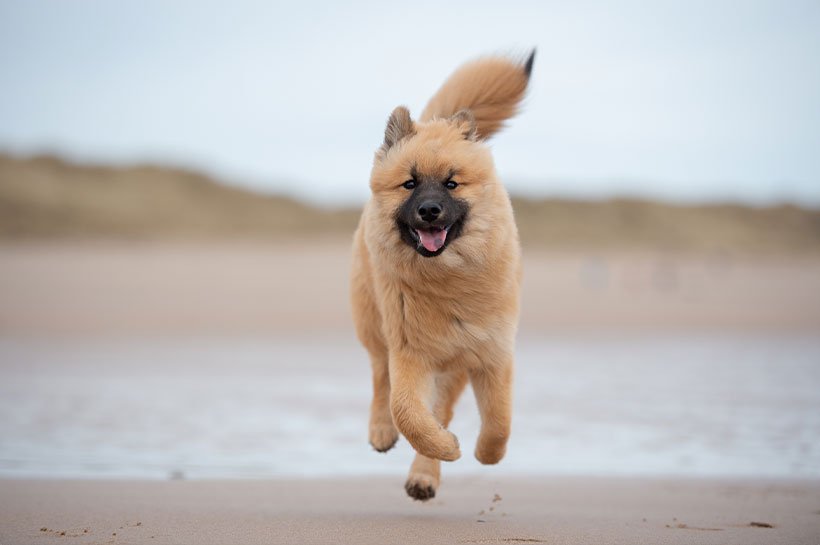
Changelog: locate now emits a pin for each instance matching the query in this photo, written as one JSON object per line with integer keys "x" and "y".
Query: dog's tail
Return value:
{"x": 491, "y": 88}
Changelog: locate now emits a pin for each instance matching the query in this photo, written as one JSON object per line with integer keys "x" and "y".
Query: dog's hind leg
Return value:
{"x": 383, "y": 433}
{"x": 425, "y": 473}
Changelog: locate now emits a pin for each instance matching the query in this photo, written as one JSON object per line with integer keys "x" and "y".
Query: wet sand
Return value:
{"x": 374, "y": 510}
{"x": 686, "y": 405}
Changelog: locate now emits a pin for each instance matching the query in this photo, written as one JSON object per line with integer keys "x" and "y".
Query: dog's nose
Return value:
{"x": 429, "y": 211}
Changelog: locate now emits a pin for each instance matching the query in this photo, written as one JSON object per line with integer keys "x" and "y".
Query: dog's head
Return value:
{"x": 429, "y": 179}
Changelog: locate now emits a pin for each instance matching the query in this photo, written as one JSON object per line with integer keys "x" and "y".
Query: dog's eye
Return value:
{"x": 450, "y": 184}
{"x": 409, "y": 184}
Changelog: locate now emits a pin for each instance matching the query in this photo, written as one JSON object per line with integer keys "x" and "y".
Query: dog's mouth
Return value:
{"x": 431, "y": 240}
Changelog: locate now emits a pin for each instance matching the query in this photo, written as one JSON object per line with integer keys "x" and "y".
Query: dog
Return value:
{"x": 437, "y": 270}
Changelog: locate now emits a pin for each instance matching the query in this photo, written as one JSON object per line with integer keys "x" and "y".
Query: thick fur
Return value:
{"x": 432, "y": 321}
{"x": 491, "y": 88}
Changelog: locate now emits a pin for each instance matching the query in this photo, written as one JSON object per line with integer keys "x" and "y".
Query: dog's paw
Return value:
{"x": 451, "y": 451}
{"x": 421, "y": 487}
{"x": 443, "y": 447}
{"x": 383, "y": 437}
{"x": 490, "y": 451}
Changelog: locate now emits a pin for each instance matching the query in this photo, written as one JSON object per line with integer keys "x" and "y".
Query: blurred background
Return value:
{"x": 180, "y": 181}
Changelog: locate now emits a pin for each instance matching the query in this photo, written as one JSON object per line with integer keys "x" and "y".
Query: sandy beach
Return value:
{"x": 250, "y": 288}
{"x": 371, "y": 510}
{"x": 662, "y": 398}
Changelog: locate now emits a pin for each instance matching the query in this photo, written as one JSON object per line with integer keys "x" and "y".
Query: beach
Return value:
{"x": 557, "y": 510}
{"x": 121, "y": 288}
{"x": 211, "y": 393}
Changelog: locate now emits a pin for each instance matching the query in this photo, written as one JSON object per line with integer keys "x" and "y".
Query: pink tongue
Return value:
{"x": 432, "y": 240}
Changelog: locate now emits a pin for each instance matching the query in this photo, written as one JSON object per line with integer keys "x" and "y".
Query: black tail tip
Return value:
{"x": 529, "y": 62}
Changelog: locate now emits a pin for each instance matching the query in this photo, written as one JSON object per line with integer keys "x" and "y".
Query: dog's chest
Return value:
{"x": 442, "y": 327}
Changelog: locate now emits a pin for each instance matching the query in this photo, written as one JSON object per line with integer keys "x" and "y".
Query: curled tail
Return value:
{"x": 491, "y": 88}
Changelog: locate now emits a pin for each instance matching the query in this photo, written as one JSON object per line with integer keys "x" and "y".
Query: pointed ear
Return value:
{"x": 398, "y": 126}
{"x": 465, "y": 120}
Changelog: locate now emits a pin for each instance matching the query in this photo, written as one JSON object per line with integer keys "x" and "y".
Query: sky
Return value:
{"x": 683, "y": 101}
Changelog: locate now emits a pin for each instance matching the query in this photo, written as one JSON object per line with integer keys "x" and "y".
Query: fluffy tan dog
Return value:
{"x": 436, "y": 271}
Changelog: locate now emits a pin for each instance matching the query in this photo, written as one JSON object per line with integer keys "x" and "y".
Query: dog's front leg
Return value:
{"x": 408, "y": 383}
{"x": 492, "y": 385}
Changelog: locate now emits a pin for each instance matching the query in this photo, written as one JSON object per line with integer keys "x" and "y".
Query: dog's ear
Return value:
{"x": 398, "y": 126}
{"x": 465, "y": 120}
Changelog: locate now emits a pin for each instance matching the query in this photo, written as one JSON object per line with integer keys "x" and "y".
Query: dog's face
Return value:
{"x": 429, "y": 180}
{"x": 432, "y": 216}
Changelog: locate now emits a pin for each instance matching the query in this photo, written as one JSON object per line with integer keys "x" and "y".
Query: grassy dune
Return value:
{"x": 48, "y": 198}
{"x": 637, "y": 224}
{"x": 45, "y": 197}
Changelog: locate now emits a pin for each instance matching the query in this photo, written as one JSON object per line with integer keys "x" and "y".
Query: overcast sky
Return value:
{"x": 683, "y": 100}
